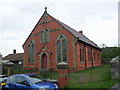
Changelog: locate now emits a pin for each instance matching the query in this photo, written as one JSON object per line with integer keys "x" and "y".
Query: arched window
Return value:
{"x": 31, "y": 51}
{"x": 47, "y": 35}
{"x": 61, "y": 45}
{"x": 42, "y": 36}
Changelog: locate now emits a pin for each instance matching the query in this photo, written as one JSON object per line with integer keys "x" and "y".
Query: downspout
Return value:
{"x": 85, "y": 58}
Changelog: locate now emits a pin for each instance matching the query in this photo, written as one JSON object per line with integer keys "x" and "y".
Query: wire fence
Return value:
{"x": 94, "y": 74}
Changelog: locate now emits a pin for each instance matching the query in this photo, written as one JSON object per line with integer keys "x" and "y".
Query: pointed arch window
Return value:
{"x": 31, "y": 51}
{"x": 61, "y": 48}
{"x": 45, "y": 35}
{"x": 42, "y": 36}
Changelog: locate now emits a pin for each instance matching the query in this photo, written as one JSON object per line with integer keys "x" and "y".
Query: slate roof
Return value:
{"x": 78, "y": 35}
{"x": 14, "y": 57}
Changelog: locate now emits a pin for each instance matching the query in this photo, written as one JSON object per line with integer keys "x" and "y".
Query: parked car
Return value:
{"x": 29, "y": 82}
{"x": 3, "y": 79}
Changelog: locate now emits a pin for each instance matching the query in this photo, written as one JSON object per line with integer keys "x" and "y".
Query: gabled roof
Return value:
{"x": 14, "y": 57}
{"x": 78, "y": 35}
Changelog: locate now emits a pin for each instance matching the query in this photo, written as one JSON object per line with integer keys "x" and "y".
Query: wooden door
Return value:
{"x": 44, "y": 61}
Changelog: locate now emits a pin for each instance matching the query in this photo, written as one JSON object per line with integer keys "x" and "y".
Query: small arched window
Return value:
{"x": 61, "y": 45}
{"x": 31, "y": 52}
{"x": 42, "y": 36}
{"x": 47, "y": 35}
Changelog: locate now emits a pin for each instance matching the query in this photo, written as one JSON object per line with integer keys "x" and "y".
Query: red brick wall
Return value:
{"x": 86, "y": 64}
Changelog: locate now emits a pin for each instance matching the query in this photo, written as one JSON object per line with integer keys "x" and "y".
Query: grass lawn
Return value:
{"x": 105, "y": 84}
{"x": 96, "y": 77}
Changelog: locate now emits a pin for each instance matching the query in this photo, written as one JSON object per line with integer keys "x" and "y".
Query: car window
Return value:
{"x": 38, "y": 77}
{"x": 0, "y": 80}
{"x": 21, "y": 80}
{"x": 11, "y": 79}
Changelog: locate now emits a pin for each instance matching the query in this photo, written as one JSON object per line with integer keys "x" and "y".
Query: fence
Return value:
{"x": 94, "y": 74}
{"x": 3, "y": 68}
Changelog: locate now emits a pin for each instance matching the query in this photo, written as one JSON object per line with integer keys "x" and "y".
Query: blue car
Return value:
{"x": 29, "y": 82}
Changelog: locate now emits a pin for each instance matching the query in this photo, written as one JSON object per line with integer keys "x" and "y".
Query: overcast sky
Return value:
{"x": 97, "y": 19}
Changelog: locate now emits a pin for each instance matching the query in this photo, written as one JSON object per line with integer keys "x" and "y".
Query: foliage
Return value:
{"x": 110, "y": 52}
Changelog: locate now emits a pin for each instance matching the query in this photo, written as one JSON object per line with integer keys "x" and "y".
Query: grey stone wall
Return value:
{"x": 115, "y": 71}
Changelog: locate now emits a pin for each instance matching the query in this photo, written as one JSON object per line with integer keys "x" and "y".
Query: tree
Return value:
{"x": 110, "y": 52}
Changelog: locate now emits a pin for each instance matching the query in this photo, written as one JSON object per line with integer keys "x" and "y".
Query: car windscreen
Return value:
{"x": 34, "y": 79}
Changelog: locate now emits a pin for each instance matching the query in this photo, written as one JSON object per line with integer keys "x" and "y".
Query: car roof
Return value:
{"x": 24, "y": 74}
{"x": 30, "y": 74}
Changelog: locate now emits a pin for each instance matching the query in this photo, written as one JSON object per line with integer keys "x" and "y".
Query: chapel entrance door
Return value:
{"x": 44, "y": 61}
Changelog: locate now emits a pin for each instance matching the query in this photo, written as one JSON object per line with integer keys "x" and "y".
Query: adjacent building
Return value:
{"x": 15, "y": 58}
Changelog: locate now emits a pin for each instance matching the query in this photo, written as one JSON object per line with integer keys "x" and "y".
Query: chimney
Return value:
{"x": 81, "y": 32}
{"x": 14, "y": 51}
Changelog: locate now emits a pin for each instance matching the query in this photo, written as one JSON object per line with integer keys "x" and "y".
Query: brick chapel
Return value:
{"x": 52, "y": 42}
